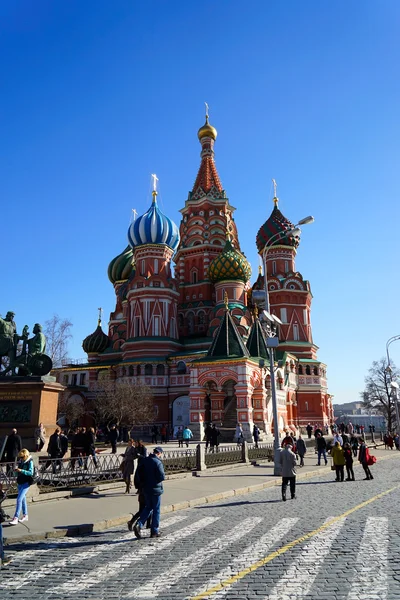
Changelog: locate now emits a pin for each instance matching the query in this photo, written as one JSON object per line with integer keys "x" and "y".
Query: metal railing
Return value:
{"x": 178, "y": 461}
{"x": 224, "y": 455}
{"x": 263, "y": 452}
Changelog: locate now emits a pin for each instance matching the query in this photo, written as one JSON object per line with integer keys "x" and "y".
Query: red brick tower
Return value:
{"x": 206, "y": 218}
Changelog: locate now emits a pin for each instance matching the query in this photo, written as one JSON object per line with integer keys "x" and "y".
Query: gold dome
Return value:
{"x": 207, "y": 131}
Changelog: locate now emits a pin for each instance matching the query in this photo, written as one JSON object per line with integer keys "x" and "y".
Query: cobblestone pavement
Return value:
{"x": 250, "y": 547}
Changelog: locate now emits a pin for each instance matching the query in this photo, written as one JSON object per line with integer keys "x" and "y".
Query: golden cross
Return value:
{"x": 206, "y": 109}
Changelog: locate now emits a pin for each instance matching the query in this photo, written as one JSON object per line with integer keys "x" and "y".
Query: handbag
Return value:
{"x": 371, "y": 460}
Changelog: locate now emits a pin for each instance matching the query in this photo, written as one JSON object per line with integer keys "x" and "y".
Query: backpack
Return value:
{"x": 34, "y": 477}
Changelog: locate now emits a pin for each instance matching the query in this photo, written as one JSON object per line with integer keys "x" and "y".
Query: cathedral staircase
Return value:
{"x": 228, "y": 426}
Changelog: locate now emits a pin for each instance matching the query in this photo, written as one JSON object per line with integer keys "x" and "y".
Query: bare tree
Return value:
{"x": 378, "y": 394}
{"x": 57, "y": 332}
{"x": 123, "y": 402}
{"x": 71, "y": 409}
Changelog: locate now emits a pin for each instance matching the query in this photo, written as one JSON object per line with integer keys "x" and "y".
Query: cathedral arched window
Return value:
{"x": 160, "y": 370}
{"x": 202, "y": 318}
{"x": 131, "y": 372}
{"x": 316, "y": 371}
{"x": 300, "y": 370}
{"x": 308, "y": 370}
{"x": 156, "y": 266}
{"x": 193, "y": 276}
{"x": 190, "y": 322}
{"x": 138, "y": 370}
{"x": 181, "y": 367}
{"x": 148, "y": 370}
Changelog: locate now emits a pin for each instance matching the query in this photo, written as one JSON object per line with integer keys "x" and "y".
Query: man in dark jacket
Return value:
{"x": 152, "y": 475}
{"x": 321, "y": 448}
{"x": 309, "y": 430}
{"x": 54, "y": 449}
{"x": 12, "y": 447}
{"x": 113, "y": 437}
{"x": 301, "y": 449}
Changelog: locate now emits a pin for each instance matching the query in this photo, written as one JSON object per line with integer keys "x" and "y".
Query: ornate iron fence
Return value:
{"x": 224, "y": 455}
{"x": 178, "y": 461}
{"x": 263, "y": 452}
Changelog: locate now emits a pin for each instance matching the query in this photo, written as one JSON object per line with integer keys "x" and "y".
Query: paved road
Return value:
{"x": 335, "y": 541}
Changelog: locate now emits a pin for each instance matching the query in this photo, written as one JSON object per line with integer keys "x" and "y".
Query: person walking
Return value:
{"x": 138, "y": 482}
{"x": 163, "y": 432}
{"x": 288, "y": 463}
{"x": 309, "y": 430}
{"x": 256, "y": 435}
{"x": 348, "y": 457}
{"x": 152, "y": 473}
{"x": 354, "y": 445}
{"x": 301, "y": 449}
{"x": 24, "y": 471}
{"x": 54, "y": 451}
{"x": 390, "y": 441}
{"x": 12, "y": 448}
{"x": 154, "y": 434}
{"x": 128, "y": 464}
{"x": 239, "y": 434}
{"x": 179, "y": 436}
{"x": 338, "y": 461}
{"x": 90, "y": 446}
{"x": 215, "y": 433}
{"x": 364, "y": 459}
{"x": 187, "y": 435}
{"x": 207, "y": 434}
{"x": 141, "y": 450}
{"x": 40, "y": 437}
{"x": 113, "y": 438}
{"x": 321, "y": 449}
{"x": 337, "y": 438}
{"x": 63, "y": 443}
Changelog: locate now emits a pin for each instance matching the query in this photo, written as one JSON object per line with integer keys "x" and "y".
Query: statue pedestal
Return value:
{"x": 25, "y": 402}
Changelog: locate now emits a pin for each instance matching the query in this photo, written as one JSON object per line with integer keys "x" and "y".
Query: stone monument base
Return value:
{"x": 25, "y": 402}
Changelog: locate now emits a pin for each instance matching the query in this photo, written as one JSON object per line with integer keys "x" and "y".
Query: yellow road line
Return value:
{"x": 289, "y": 546}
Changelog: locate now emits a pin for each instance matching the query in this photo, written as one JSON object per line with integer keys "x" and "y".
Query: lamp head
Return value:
{"x": 306, "y": 220}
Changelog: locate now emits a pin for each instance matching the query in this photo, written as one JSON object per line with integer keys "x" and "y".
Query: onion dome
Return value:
{"x": 153, "y": 228}
{"x": 96, "y": 342}
{"x": 275, "y": 225}
{"x": 230, "y": 264}
{"x": 121, "y": 267}
{"x": 207, "y": 131}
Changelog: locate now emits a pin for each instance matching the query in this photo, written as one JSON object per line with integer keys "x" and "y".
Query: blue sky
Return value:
{"x": 98, "y": 95}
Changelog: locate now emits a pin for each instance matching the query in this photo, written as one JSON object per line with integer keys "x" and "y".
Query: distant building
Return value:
{"x": 350, "y": 408}
{"x": 192, "y": 335}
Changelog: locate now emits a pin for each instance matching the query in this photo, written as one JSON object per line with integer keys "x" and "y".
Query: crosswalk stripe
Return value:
{"x": 18, "y": 582}
{"x": 296, "y": 582}
{"x": 370, "y": 583}
{"x": 253, "y": 552}
{"x": 114, "y": 567}
{"x": 194, "y": 561}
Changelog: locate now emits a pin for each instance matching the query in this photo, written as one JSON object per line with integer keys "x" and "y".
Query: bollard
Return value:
{"x": 200, "y": 458}
{"x": 245, "y": 452}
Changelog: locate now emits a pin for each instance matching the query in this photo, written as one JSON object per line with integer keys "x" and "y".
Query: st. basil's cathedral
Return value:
{"x": 192, "y": 332}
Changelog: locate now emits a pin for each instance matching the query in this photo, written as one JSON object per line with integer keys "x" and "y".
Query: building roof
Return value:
{"x": 256, "y": 341}
{"x": 227, "y": 342}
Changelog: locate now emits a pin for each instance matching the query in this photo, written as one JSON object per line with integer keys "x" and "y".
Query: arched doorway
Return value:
{"x": 180, "y": 411}
{"x": 230, "y": 404}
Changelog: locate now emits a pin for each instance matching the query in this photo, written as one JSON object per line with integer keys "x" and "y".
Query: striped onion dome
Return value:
{"x": 276, "y": 224}
{"x": 96, "y": 342}
{"x": 121, "y": 267}
{"x": 153, "y": 228}
{"x": 230, "y": 264}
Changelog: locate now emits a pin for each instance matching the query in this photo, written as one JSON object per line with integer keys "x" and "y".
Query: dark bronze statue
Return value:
{"x": 32, "y": 359}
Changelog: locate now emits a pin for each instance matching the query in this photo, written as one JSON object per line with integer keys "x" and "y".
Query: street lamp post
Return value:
{"x": 272, "y": 340}
{"x": 393, "y": 384}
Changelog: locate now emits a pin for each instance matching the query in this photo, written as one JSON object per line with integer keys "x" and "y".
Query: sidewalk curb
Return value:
{"x": 85, "y": 528}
